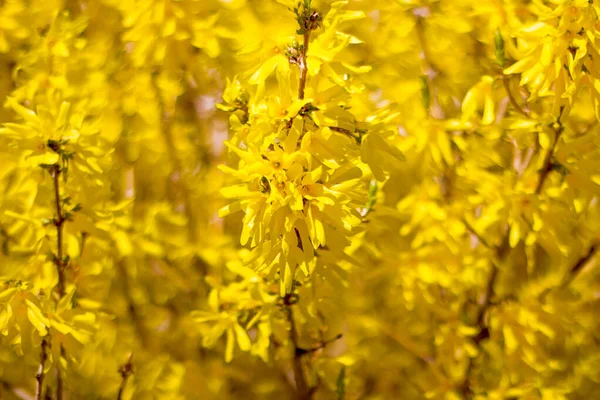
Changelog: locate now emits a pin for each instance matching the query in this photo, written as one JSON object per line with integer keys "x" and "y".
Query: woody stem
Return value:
{"x": 303, "y": 66}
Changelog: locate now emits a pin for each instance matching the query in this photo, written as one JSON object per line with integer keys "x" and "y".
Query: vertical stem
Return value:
{"x": 512, "y": 99}
{"x": 39, "y": 387}
{"x": 182, "y": 197}
{"x": 59, "y": 380}
{"x": 547, "y": 167}
{"x": 125, "y": 370}
{"x": 303, "y": 66}
{"x": 501, "y": 252}
{"x": 59, "y": 222}
{"x": 181, "y": 191}
{"x": 60, "y": 263}
{"x": 578, "y": 266}
{"x": 302, "y": 389}
{"x": 308, "y": 22}
{"x": 131, "y": 306}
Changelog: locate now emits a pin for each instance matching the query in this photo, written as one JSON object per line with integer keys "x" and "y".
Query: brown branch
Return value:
{"x": 484, "y": 333}
{"x": 578, "y": 266}
{"x": 6, "y": 239}
{"x": 346, "y": 132}
{"x": 134, "y": 315}
{"x": 60, "y": 262}
{"x": 319, "y": 346}
{"x": 16, "y": 392}
{"x": 547, "y": 167}
{"x": 409, "y": 345}
{"x": 125, "y": 370}
{"x": 166, "y": 131}
{"x": 512, "y": 99}
{"x": 302, "y": 389}
{"x": 308, "y": 20}
{"x": 59, "y": 223}
{"x": 39, "y": 377}
{"x": 573, "y": 272}
{"x": 303, "y": 65}
{"x": 501, "y": 253}
{"x": 485, "y": 303}
{"x": 59, "y": 380}
{"x": 177, "y": 176}
{"x": 472, "y": 230}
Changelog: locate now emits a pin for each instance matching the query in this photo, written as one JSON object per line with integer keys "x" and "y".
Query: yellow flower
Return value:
{"x": 554, "y": 52}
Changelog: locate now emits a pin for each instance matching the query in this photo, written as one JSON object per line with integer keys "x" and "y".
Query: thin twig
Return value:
{"x": 548, "y": 165}
{"x": 60, "y": 263}
{"x": 472, "y": 230}
{"x": 60, "y": 390}
{"x": 572, "y": 273}
{"x": 59, "y": 223}
{"x": 303, "y": 65}
{"x": 308, "y": 20}
{"x": 346, "y": 132}
{"x": 486, "y": 303}
{"x": 502, "y": 252}
{"x": 134, "y": 315}
{"x": 39, "y": 377}
{"x": 318, "y": 347}
{"x": 408, "y": 344}
{"x": 512, "y": 99}
{"x": 16, "y": 392}
{"x": 125, "y": 370}
{"x": 177, "y": 176}
{"x": 578, "y": 266}
{"x": 302, "y": 389}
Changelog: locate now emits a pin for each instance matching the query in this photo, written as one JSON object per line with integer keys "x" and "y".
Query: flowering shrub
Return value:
{"x": 299, "y": 199}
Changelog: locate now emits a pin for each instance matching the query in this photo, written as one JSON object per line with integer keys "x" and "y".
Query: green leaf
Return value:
{"x": 499, "y": 44}
{"x": 425, "y": 96}
{"x": 340, "y": 385}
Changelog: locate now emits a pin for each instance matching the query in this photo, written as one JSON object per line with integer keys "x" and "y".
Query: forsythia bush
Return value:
{"x": 299, "y": 199}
